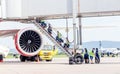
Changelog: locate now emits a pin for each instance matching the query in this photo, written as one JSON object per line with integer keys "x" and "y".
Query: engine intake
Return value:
{"x": 28, "y": 42}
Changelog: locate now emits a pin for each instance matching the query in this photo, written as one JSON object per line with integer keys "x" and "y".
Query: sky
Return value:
{"x": 110, "y": 31}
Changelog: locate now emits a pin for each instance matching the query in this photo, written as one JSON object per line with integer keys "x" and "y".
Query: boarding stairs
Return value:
{"x": 44, "y": 31}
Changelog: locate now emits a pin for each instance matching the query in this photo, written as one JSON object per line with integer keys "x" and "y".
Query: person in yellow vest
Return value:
{"x": 59, "y": 37}
{"x": 92, "y": 54}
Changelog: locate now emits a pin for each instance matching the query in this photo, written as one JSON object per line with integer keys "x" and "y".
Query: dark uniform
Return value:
{"x": 86, "y": 56}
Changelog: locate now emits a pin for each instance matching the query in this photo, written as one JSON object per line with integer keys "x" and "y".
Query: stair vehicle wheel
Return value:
{"x": 78, "y": 58}
{"x": 71, "y": 60}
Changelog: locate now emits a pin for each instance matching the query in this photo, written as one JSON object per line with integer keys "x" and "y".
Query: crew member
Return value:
{"x": 86, "y": 56}
{"x": 92, "y": 55}
{"x": 67, "y": 44}
{"x": 49, "y": 29}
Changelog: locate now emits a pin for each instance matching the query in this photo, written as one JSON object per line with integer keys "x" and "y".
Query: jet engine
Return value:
{"x": 28, "y": 42}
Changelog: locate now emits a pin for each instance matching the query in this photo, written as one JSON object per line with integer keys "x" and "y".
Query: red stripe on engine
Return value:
{"x": 16, "y": 45}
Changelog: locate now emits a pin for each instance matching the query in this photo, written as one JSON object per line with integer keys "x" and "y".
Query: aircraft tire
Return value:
{"x": 22, "y": 58}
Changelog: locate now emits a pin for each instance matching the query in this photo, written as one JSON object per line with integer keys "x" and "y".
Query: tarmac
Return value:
{"x": 108, "y": 65}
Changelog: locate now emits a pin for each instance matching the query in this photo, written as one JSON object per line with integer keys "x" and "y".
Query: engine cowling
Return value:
{"x": 28, "y": 42}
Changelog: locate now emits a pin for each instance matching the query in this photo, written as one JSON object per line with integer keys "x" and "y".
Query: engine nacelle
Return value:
{"x": 28, "y": 42}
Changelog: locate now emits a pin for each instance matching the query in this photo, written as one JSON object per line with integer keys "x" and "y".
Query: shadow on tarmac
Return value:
{"x": 46, "y": 63}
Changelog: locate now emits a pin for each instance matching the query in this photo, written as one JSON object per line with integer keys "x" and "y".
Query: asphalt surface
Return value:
{"x": 60, "y": 66}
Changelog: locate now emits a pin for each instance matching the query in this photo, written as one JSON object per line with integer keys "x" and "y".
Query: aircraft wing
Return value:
{"x": 6, "y": 33}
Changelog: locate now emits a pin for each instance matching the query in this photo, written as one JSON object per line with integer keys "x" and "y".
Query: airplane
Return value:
{"x": 109, "y": 51}
{"x": 28, "y": 41}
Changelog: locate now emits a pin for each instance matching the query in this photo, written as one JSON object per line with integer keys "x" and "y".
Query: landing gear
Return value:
{"x": 25, "y": 58}
{"x": 77, "y": 59}
{"x": 22, "y": 58}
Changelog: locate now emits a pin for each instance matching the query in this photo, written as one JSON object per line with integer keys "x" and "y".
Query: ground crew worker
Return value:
{"x": 86, "y": 56}
{"x": 92, "y": 55}
{"x": 97, "y": 56}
